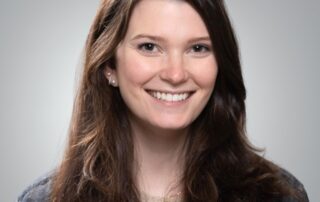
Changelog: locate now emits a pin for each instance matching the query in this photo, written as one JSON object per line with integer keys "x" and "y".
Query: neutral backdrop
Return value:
{"x": 40, "y": 51}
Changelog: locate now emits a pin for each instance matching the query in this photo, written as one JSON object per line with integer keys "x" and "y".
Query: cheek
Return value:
{"x": 134, "y": 68}
{"x": 206, "y": 73}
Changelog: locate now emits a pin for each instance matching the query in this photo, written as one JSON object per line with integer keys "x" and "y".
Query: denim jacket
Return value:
{"x": 41, "y": 188}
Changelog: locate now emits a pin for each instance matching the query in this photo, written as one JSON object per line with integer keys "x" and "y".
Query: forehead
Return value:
{"x": 167, "y": 18}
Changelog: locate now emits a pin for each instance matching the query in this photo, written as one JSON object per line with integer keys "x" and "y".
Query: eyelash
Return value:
{"x": 200, "y": 48}
{"x": 151, "y": 48}
{"x": 147, "y": 47}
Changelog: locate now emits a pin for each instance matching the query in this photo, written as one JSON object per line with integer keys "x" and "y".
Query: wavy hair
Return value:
{"x": 221, "y": 165}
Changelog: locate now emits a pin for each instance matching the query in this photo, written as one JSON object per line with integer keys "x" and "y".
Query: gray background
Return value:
{"x": 40, "y": 50}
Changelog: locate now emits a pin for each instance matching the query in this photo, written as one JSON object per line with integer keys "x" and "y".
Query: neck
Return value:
{"x": 159, "y": 157}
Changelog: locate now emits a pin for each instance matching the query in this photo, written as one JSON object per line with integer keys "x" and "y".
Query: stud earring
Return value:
{"x": 109, "y": 76}
{"x": 111, "y": 81}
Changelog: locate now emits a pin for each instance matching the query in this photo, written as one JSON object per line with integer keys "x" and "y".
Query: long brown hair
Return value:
{"x": 221, "y": 165}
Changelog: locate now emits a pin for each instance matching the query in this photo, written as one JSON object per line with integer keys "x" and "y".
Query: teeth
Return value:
{"x": 169, "y": 97}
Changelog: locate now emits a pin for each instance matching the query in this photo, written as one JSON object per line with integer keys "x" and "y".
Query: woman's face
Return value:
{"x": 165, "y": 69}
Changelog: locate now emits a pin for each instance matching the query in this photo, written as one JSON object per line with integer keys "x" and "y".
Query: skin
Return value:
{"x": 166, "y": 49}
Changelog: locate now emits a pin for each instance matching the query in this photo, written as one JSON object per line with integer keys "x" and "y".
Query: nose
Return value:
{"x": 174, "y": 70}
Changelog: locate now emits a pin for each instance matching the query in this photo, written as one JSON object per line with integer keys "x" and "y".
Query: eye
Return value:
{"x": 148, "y": 47}
{"x": 199, "y": 48}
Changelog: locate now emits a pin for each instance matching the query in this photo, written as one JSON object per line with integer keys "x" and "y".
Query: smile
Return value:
{"x": 170, "y": 97}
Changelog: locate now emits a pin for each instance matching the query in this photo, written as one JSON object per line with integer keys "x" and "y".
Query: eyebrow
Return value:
{"x": 152, "y": 37}
{"x": 161, "y": 39}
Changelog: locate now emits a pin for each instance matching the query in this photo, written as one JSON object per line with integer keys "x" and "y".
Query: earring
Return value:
{"x": 111, "y": 81}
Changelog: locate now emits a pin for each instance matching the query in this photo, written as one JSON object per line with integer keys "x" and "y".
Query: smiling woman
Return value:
{"x": 165, "y": 79}
{"x": 160, "y": 113}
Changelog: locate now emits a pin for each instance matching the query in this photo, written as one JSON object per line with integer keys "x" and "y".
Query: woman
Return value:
{"x": 160, "y": 113}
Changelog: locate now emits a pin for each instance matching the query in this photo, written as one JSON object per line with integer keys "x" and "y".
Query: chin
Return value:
{"x": 172, "y": 127}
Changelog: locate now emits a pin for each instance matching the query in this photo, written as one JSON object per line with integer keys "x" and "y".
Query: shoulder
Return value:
{"x": 294, "y": 183}
{"x": 39, "y": 190}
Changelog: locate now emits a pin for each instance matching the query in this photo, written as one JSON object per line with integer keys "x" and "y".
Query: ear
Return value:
{"x": 110, "y": 75}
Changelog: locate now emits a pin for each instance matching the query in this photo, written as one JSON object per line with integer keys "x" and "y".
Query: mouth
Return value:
{"x": 170, "y": 96}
